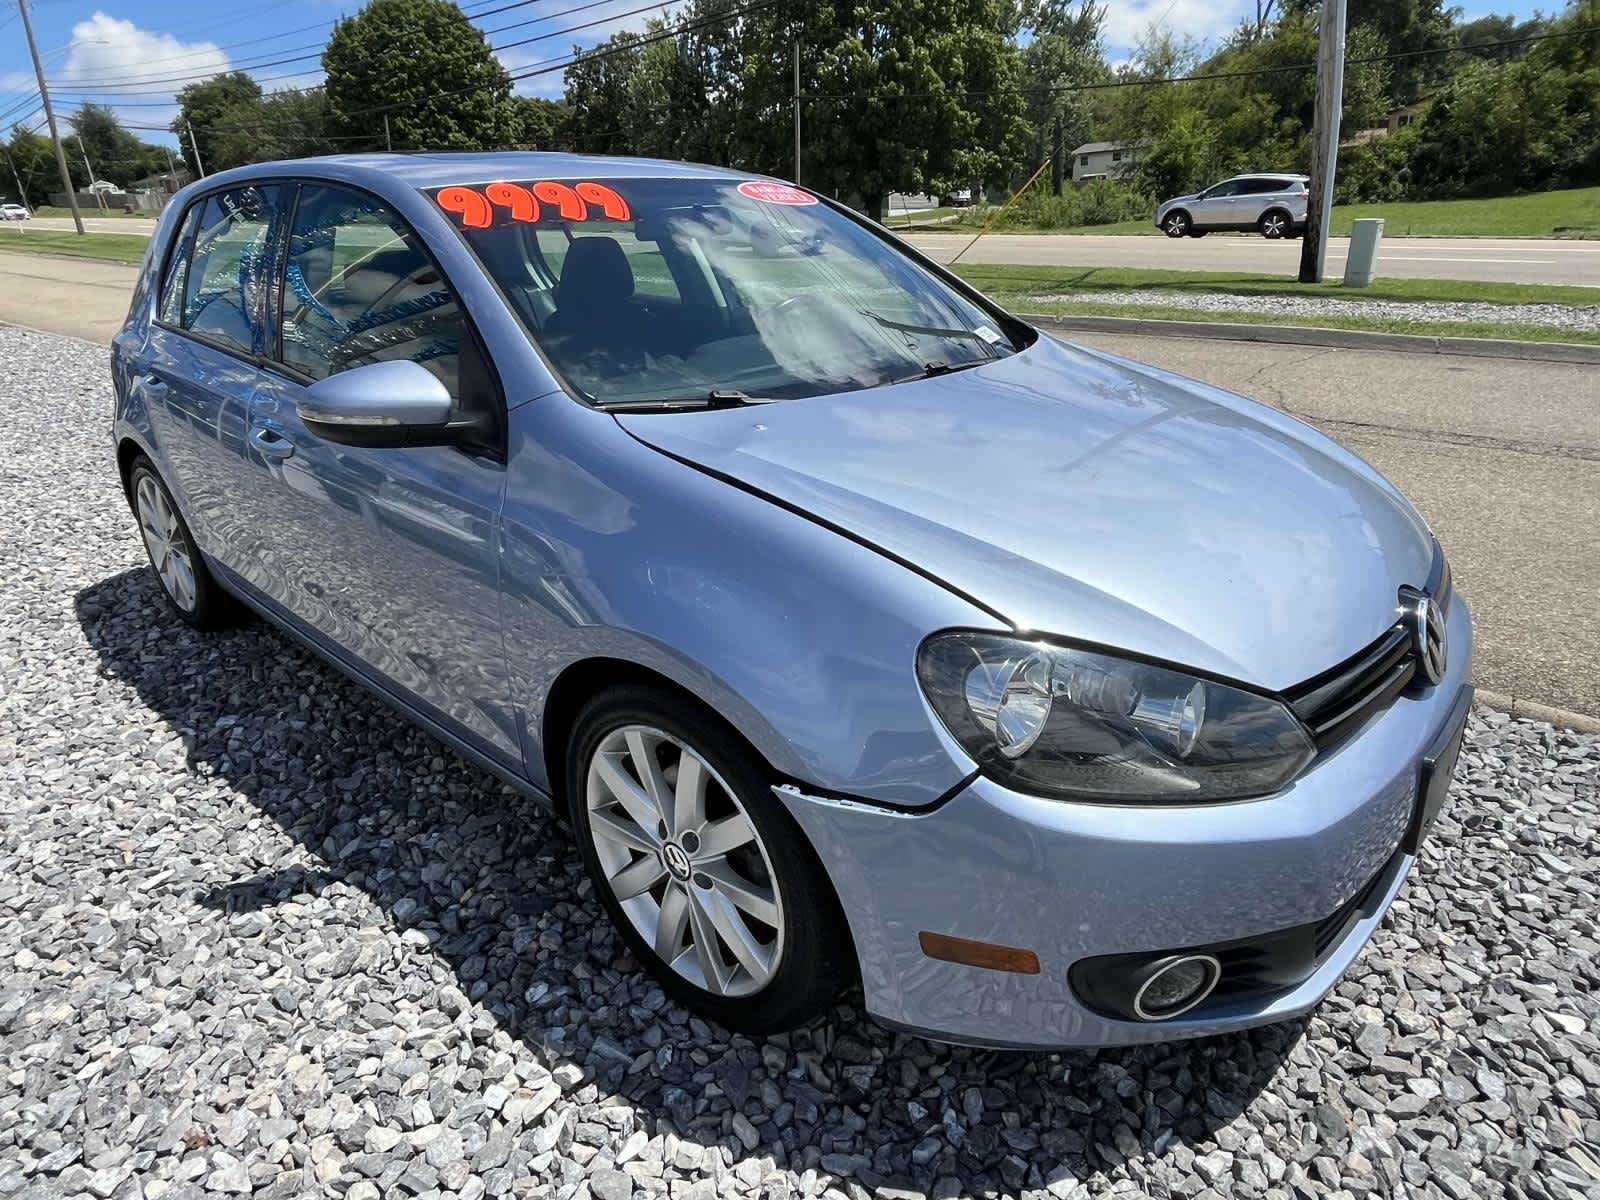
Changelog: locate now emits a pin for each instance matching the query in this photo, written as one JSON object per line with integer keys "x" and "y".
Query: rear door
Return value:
{"x": 387, "y": 555}
{"x": 199, "y": 367}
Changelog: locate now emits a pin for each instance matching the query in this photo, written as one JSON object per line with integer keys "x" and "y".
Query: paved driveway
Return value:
{"x": 1509, "y": 260}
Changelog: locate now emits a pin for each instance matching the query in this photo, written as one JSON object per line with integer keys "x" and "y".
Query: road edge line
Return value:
{"x": 1562, "y": 718}
{"x": 1574, "y": 353}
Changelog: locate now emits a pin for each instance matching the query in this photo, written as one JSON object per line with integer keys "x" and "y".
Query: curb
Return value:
{"x": 1562, "y": 718}
{"x": 1333, "y": 339}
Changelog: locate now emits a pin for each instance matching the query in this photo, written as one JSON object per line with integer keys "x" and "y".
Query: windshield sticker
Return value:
{"x": 775, "y": 193}
{"x": 988, "y": 334}
{"x": 528, "y": 203}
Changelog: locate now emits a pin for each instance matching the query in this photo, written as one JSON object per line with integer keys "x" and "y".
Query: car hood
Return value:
{"x": 1081, "y": 495}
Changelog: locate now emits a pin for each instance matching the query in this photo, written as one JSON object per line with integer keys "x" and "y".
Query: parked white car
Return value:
{"x": 1274, "y": 205}
{"x": 14, "y": 212}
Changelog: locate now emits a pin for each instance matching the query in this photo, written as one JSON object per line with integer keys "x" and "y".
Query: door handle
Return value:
{"x": 154, "y": 384}
{"x": 269, "y": 443}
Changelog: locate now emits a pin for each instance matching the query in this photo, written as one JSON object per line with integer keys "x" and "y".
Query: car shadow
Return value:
{"x": 378, "y": 805}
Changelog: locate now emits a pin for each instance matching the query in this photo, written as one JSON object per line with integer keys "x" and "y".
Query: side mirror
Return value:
{"x": 392, "y": 403}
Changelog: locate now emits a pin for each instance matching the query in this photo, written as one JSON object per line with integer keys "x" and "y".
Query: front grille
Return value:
{"x": 1338, "y": 702}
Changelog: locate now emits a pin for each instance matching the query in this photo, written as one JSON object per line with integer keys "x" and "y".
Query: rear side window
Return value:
{"x": 358, "y": 289}
{"x": 227, "y": 267}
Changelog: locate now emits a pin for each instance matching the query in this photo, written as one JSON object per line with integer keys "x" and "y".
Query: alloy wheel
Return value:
{"x": 684, "y": 861}
{"x": 1273, "y": 225}
{"x": 1177, "y": 225}
{"x": 165, "y": 540}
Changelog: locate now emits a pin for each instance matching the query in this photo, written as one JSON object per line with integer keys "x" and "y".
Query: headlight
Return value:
{"x": 1058, "y": 721}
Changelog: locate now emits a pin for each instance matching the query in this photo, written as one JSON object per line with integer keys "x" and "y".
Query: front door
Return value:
{"x": 1218, "y": 206}
{"x": 388, "y": 556}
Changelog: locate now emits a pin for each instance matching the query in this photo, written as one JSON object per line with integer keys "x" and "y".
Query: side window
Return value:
{"x": 1231, "y": 188}
{"x": 177, "y": 277}
{"x": 359, "y": 289}
{"x": 228, "y": 266}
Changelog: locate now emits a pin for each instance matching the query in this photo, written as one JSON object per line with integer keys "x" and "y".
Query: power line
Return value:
{"x": 469, "y": 16}
{"x": 147, "y": 86}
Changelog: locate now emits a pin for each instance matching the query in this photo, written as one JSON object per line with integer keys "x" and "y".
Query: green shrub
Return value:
{"x": 1098, "y": 202}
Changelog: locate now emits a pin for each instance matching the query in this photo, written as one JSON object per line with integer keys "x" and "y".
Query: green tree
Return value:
{"x": 292, "y": 123}
{"x": 116, "y": 154}
{"x": 1062, "y": 54}
{"x": 1412, "y": 27}
{"x": 427, "y": 68}
{"x": 540, "y": 122}
{"x": 34, "y": 160}
{"x": 202, "y": 105}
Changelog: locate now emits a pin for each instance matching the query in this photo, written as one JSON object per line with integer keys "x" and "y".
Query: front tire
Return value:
{"x": 1176, "y": 224}
{"x": 186, "y": 581}
{"x": 705, "y": 874}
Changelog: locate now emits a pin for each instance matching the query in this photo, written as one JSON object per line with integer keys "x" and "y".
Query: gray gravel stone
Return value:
{"x": 260, "y": 935}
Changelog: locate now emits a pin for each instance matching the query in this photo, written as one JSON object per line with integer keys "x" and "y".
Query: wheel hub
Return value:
{"x": 676, "y": 859}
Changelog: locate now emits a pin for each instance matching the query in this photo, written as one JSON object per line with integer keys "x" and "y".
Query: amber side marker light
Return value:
{"x": 978, "y": 954}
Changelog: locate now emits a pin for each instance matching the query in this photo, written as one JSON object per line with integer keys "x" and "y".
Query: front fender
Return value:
{"x": 804, "y": 640}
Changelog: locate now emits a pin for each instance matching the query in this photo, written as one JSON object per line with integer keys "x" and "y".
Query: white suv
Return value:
{"x": 14, "y": 212}
{"x": 1272, "y": 205}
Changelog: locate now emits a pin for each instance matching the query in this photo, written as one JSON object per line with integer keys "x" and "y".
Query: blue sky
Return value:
{"x": 133, "y": 54}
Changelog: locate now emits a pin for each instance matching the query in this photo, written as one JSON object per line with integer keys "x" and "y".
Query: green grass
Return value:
{"x": 108, "y": 247}
{"x": 92, "y": 210}
{"x": 1011, "y": 284}
{"x": 1574, "y": 212}
{"x": 1462, "y": 329}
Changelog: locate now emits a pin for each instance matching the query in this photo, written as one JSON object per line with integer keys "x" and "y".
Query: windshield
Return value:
{"x": 646, "y": 291}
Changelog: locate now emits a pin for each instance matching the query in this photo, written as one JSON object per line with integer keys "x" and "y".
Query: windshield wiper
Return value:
{"x": 935, "y": 330}
{"x": 716, "y": 398}
{"x": 932, "y": 369}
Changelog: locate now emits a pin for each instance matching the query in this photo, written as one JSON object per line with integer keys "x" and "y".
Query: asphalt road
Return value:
{"x": 1504, "y": 260}
{"x": 134, "y": 225}
{"x": 1509, "y": 260}
{"x": 1501, "y": 456}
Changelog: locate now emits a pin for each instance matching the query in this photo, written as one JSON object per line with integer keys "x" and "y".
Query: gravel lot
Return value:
{"x": 257, "y": 935}
{"x": 1584, "y": 318}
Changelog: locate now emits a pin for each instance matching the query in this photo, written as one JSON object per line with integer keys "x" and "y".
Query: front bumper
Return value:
{"x": 1073, "y": 881}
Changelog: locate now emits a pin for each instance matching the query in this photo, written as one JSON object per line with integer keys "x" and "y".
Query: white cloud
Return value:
{"x": 1128, "y": 20}
{"x": 105, "y": 49}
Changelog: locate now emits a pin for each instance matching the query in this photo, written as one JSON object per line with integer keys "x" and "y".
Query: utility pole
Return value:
{"x": 388, "y": 142}
{"x": 84, "y": 150}
{"x": 50, "y": 116}
{"x": 199, "y": 166}
{"x": 1324, "y": 142}
{"x": 797, "y": 110}
{"x": 22, "y": 192}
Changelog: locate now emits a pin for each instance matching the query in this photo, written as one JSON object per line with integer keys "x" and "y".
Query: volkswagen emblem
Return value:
{"x": 676, "y": 860}
{"x": 1428, "y": 636}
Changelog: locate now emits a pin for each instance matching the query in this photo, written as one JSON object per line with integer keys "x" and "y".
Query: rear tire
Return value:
{"x": 692, "y": 851}
{"x": 1176, "y": 224}
{"x": 186, "y": 581}
{"x": 1274, "y": 224}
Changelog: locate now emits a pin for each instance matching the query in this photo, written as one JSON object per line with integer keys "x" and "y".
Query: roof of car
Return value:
{"x": 1269, "y": 175}
{"x": 435, "y": 168}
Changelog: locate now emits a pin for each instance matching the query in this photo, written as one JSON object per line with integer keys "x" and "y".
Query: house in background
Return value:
{"x": 1102, "y": 160}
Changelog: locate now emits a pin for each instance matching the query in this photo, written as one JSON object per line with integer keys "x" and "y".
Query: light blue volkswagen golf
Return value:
{"x": 862, "y": 632}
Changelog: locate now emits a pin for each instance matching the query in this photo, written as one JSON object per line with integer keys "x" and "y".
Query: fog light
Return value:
{"x": 1176, "y": 986}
